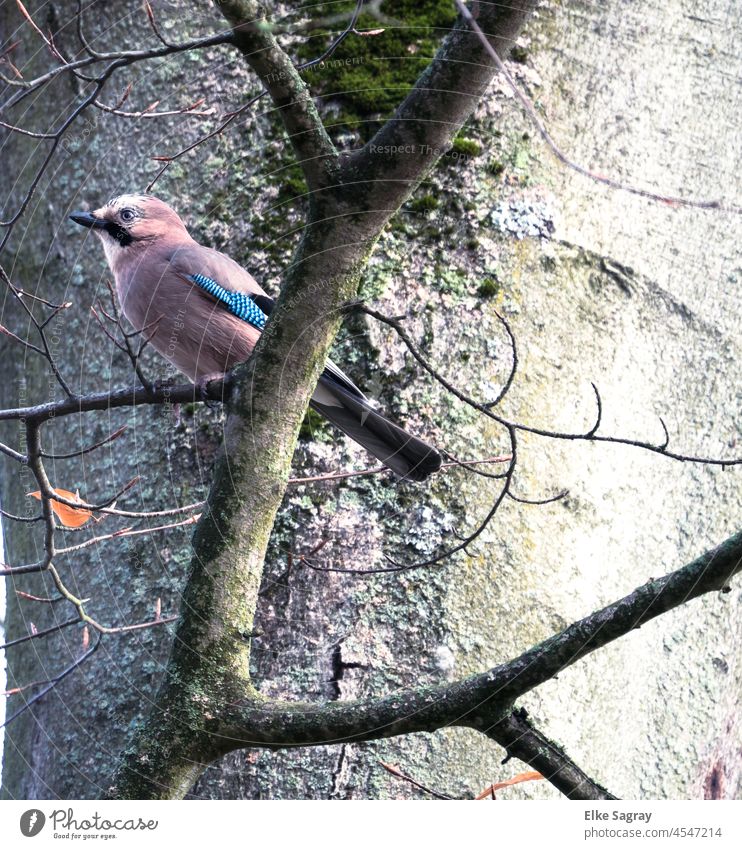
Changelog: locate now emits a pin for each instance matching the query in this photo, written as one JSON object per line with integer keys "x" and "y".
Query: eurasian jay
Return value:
{"x": 205, "y": 313}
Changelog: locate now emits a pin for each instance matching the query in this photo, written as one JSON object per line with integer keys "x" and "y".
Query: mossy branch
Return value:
{"x": 520, "y": 739}
{"x": 483, "y": 701}
{"x": 253, "y": 36}
{"x": 426, "y": 122}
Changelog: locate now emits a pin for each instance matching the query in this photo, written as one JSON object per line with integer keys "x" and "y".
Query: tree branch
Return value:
{"x": 180, "y": 393}
{"x": 314, "y": 149}
{"x": 480, "y": 701}
{"x": 516, "y": 734}
{"x": 477, "y": 700}
{"x": 447, "y": 92}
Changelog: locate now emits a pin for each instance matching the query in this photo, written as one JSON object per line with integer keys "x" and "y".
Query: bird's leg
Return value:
{"x": 164, "y": 383}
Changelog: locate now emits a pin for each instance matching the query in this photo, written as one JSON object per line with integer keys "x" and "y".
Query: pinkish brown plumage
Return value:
{"x": 151, "y": 269}
{"x": 154, "y": 261}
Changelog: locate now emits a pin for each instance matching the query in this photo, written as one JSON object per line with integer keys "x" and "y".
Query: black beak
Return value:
{"x": 87, "y": 219}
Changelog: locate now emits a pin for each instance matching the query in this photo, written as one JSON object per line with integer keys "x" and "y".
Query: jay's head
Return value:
{"x": 130, "y": 221}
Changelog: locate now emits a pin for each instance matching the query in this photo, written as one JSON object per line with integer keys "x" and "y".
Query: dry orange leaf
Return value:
{"x": 70, "y": 517}
{"x": 516, "y": 779}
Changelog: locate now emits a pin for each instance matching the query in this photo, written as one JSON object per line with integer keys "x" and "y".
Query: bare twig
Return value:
{"x": 397, "y": 566}
{"x": 561, "y": 156}
{"x": 53, "y": 682}
{"x": 126, "y": 532}
{"x": 187, "y": 111}
{"x": 82, "y": 451}
{"x": 40, "y": 599}
{"x": 397, "y": 773}
{"x": 38, "y": 634}
{"x": 376, "y": 470}
{"x": 589, "y": 436}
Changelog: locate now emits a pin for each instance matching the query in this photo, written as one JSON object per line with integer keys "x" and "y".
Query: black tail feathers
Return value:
{"x": 407, "y": 456}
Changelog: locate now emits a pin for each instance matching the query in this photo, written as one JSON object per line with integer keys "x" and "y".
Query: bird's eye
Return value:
{"x": 127, "y": 215}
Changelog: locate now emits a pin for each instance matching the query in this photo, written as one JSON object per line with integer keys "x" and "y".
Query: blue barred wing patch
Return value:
{"x": 238, "y": 303}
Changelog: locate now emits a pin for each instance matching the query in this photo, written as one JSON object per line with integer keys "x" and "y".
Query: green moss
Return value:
{"x": 489, "y": 287}
{"x": 452, "y": 281}
{"x": 425, "y": 203}
{"x": 495, "y": 167}
{"x": 466, "y": 147}
{"x": 519, "y": 54}
{"x": 292, "y": 182}
{"x": 314, "y": 426}
{"x": 369, "y": 76}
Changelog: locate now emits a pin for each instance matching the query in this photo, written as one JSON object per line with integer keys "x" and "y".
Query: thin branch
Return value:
{"x": 81, "y": 32}
{"x": 562, "y": 157}
{"x": 14, "y": 455}
{"x": 397, "y": 773}
{"x": 146, "y": 334}
{"x": 446, "y": 553}
{"x": 589, "y": 436}
{"x": 376, "y": 470}
{"x": 514, "y": 366}
{"x": 24, "y": 342}
{"x": 126, "y": 532}
{"x": 14, "y": 691}
{"x": 125, "y": 629}
{"x": 153, "y": 23}
{"x": 40, "y": 326}
{"x": 82, "y": 451}
{"x": 116, "y": 60}
{"x": 598, "y": 415}
{"x": 127, "y": 397}
{"x": 24, "y": 132}
{"x": 538, "y": 502}
{"x": 24, "y": 569}
{"x": 40, "y": 599}
{"x": 122, "y": 58}
{"x": 38, "y": 634}
{"x": 229, "y": 118}
{"x": 52, "y": 494}
{"x": 53, "y": 682}
{"x": 349, "y": 29}
{"x": 187, "y": 111}
{"x": 489, "y": 792}
{"x": 520, "y": 739}
{"x": 152, "y": 514}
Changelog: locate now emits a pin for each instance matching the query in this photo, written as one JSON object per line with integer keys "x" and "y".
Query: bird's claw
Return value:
{"x": 202, "y": 388}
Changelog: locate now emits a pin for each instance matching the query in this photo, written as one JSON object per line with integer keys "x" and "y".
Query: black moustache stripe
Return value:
{"x": 121, "y": 235}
